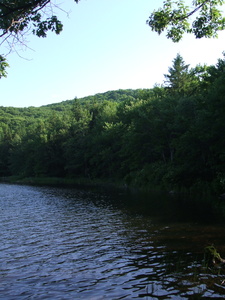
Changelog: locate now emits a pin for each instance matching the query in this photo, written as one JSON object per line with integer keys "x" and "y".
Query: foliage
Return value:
{"x": 176, "y": 18}
{"x": 19, "y": 18}
{"x": 170, "y": 136}
{"x": 179, "y": 80}
{"x": 3, "y": 66}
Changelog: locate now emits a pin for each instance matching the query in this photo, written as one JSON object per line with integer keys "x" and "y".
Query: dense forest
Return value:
{"x": 170, "y": 136}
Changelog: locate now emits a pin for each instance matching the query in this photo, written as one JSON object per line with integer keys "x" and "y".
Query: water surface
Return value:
{"x": 72, "y": 244}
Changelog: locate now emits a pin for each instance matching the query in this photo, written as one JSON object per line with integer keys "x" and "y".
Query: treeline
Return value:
{"x": 170, "y": 136}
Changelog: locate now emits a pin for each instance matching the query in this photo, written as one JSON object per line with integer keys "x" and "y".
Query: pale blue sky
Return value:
{"x": 105, "y": 45}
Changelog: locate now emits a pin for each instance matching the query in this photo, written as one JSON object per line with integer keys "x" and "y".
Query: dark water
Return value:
{"x": 71, "y": 244}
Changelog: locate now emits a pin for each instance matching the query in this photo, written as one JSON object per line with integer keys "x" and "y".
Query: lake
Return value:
{"x": 59, "y": 243}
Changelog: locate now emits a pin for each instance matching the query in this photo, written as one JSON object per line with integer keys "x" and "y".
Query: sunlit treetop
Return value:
{"x": 203, "y": 18}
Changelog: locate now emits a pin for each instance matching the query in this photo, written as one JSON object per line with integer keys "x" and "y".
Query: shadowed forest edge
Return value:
{"x": 170, "y": 137}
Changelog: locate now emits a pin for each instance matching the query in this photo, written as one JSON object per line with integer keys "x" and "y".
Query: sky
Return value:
{"x": 105, "y": 45}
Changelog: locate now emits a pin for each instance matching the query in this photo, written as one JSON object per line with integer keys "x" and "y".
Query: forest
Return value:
{"x": 170, "y": 136}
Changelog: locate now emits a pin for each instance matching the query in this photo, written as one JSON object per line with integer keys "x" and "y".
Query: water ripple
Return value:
{"x": 69, "y": 244}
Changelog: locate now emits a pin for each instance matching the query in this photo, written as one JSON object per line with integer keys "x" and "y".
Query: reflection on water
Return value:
{"x": 71, "y": 244}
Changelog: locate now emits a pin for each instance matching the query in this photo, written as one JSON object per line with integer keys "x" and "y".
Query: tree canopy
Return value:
{"x": 18, "y": 18}
{"x": 37, "y": 16}
{"x": 203, "y": 19}
{"x": 170, "y": 137}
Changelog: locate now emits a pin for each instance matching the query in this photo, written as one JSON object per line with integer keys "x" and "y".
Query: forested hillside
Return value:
{"x": 170, "y": 136}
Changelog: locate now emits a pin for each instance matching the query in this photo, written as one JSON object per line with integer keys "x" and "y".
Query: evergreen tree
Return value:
{"x": 178, "y": 81}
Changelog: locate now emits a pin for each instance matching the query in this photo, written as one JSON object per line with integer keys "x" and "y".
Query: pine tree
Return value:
{"x": 178, "y": 81}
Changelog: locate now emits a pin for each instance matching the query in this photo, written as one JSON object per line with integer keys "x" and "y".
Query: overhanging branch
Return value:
{"x": 192, "y": 12}
{"x": 23, "y": 8}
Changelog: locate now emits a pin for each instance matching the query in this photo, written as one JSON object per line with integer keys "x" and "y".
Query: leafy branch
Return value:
{"x": 18, "y": 18}
{"x": 175, "y": 19}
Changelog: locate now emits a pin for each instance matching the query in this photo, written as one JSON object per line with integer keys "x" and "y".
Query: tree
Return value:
{"x": 3, "y": 66}
{"x": 18, "y": 18}
{"x": 177, "y": 18}
{"x": 178, "y": 80}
